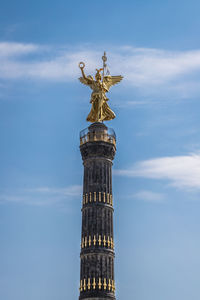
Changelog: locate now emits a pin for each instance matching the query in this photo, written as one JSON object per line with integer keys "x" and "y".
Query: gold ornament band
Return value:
{"x": 102, "y": 197}
{"x": 97, "y": 240}
{"x": 97, "y": 283}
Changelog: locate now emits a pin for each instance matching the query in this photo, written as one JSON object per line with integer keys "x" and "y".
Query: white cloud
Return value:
{"x": 14, "y": 49}
{"x": 56, "y": 64}
{"x": 143, "y": 68}
{"x": 149, "y": 196}
{"x": 73, "y": 190}
{"x": 180, "y": 171}
{"x": 42, "y": 195}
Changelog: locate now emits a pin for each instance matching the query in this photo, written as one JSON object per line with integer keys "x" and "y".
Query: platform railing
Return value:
{"x": 107, "y": 135}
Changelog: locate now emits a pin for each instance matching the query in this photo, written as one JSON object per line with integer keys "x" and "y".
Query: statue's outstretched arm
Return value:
{"x": 87, "y": 78}
{"x": 83, "y": 73}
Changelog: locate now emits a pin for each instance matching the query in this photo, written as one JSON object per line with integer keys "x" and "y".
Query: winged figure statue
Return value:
{"x": 100, "y": 110}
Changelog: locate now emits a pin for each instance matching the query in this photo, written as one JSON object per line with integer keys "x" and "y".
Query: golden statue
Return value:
{"x": 100, "y": 110}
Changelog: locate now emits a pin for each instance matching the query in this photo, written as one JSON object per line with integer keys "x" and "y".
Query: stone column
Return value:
{"x": 97, "y": 146}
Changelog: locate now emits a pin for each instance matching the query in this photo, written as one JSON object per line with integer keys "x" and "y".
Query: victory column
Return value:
{"x": 98, "y": 147}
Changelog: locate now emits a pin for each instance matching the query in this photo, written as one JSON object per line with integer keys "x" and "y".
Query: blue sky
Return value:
{"x": 155, "y": 45}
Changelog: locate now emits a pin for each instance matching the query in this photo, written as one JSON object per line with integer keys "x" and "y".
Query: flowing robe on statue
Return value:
{"x": 100, "y": 110}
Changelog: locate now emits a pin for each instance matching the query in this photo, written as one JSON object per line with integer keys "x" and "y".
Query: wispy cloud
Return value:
{"x": 180, "y": 171}
{"x": 16, "y": 49}
{"x": 148, "y": 196}
{"x": 41, "y": 196}
{"x": 27, "y": 61}
{"x": 143, "y": 68}
{"x": 154, "y": 66}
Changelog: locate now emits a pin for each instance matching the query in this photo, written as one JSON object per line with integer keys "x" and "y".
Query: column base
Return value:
{"x": 98, "y": 298}
{"x": 95, "y": 297}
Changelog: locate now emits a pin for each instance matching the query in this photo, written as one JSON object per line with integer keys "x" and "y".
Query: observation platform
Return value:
{"x": 97, "y": 132}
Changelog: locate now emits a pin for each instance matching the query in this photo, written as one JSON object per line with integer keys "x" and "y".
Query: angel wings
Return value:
{"x": 107, "y": 81}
